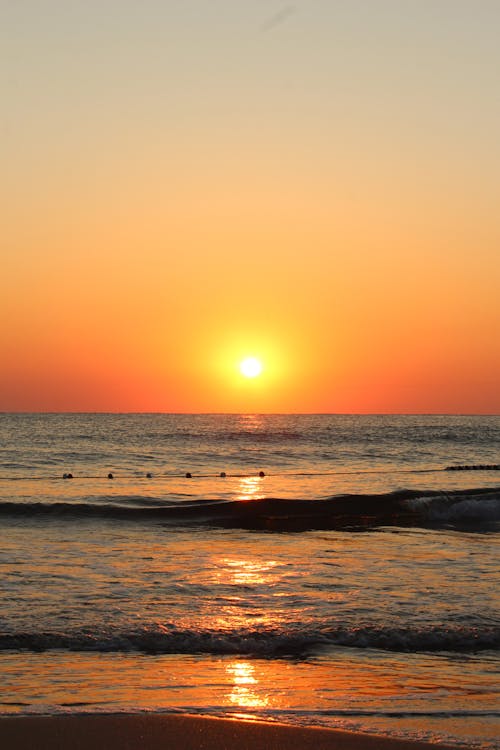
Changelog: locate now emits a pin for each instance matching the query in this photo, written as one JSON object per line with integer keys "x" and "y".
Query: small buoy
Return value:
{"x": 261, "y": 474}
{"x": 188, "y": 475}
{"x": 65, "y": 476}
{"x": 222, "y": 474}
{"x": 69, "y": 476}
{"x": 149, "y": 475}
{"x": 110, "y": 476}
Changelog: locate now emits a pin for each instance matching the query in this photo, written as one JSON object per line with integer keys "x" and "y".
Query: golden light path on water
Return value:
{"x": 247, "y": 572}
{"x": 245, "y": 691}
{"x": 250, "y": 488}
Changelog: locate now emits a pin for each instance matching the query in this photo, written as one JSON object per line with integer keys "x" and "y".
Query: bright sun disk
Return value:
{"x": 250, "y": 367}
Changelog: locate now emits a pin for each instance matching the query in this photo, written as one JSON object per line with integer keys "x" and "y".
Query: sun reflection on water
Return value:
{"x": 251, "y": 421}
{"x": 245, "y": 692}
{"x": 246, "y": 585}
{"x": 247, "y": 572}
{"x": 248, "y": 488}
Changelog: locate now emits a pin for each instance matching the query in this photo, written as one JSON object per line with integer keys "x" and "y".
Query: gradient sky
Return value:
{"x": 188, "y": 182}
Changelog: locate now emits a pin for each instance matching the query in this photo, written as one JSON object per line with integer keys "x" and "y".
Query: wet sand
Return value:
{"x": 159, "y": 732}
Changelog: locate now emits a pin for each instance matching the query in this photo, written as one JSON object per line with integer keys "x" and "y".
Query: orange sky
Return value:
{"x": 186, "y": 184}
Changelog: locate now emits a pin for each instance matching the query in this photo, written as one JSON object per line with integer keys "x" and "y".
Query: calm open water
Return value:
{"x": 354, "y": 585}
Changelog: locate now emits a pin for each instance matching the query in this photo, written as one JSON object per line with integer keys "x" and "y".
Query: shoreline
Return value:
{"x": 184, "y": 732}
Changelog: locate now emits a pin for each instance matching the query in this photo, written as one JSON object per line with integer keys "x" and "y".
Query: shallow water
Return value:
{"x": 230, "y": 595}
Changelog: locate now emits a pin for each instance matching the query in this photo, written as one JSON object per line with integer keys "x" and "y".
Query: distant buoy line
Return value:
{"x": 260, "y": 474}
{"x": 148, "y": 475}
{"x": 474, "y": 467}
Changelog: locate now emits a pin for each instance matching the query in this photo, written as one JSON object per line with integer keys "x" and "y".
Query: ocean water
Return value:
{"x": 342, "y": 571}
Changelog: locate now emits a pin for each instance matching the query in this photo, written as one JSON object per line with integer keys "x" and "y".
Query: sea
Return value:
{"x": 316, "y": 570}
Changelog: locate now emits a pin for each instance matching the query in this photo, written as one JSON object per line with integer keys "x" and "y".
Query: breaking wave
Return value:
{"x": 458, "y": 509}
{"x": 168, "y": 639}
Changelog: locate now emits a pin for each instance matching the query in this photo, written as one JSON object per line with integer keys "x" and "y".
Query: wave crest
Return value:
{"x": 167, "y": 639}
{"x": 461, "y": 509}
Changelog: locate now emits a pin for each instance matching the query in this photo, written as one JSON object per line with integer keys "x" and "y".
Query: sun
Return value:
{"x": 251, "y": 367}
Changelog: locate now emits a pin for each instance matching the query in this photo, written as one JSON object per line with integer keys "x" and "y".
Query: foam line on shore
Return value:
{"x": 184, "y": 732}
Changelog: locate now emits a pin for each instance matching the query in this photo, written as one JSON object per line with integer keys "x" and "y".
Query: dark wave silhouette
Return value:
{"x": 461, "y": 509}
{"x": 260, "y": 641}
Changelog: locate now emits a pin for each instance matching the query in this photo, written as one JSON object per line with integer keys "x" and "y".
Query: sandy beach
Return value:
{"x": 157, "y": 732}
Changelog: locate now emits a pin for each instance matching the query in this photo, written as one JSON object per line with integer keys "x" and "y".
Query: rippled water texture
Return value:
{"x": 158, "y": 596}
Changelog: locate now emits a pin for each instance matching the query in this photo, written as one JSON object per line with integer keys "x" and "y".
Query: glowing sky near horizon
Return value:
{"x": 185, "y": 184}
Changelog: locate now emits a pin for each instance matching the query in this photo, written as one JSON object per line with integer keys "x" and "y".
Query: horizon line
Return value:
{"x": 255, "y": 413}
